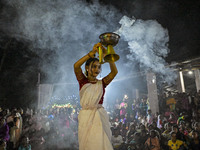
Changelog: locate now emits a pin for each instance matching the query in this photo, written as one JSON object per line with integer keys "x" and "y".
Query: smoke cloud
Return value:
{"x": 148, "y": 44}
{"x": 61, "y": 32}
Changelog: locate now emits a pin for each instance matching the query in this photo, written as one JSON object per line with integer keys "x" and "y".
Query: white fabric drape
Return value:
{"x": 94, "y": 127}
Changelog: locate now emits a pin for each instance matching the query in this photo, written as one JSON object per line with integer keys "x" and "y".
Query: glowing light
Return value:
{"x": 125, "y": 96}
{"x": 62, "y": 106}
{"x": 68, "y": 105}
{"x": 190, "y": 72}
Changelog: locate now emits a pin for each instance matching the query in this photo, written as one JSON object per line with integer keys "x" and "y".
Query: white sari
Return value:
{"x": 94, "y": 128}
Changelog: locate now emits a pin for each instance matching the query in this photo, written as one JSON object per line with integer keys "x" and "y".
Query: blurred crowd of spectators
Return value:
{"x": 176, "y": 126}
{"x": 52, "y": 129}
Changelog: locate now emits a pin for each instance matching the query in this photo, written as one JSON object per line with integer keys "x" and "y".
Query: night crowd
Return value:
{"x": 175, "y": 127}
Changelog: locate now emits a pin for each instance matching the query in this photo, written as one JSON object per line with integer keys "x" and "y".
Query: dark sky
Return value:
{"x": 21, "y": 60}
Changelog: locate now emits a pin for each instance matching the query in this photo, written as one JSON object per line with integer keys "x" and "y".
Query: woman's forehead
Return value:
{"x": 96, "y": 63}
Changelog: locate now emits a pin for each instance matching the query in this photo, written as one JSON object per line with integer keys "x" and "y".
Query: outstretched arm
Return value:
{"x": 112, "y": 74}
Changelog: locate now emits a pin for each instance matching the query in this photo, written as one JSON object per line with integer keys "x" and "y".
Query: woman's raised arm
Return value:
{"x": 80, "y": 62}
{"x": 91, "y": 54}
{"x": 112, "y": 74}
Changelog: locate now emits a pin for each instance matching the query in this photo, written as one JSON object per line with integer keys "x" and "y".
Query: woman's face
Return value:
{"x": 94, "y": 69}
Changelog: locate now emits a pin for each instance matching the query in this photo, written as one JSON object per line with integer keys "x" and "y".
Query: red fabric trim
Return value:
{"x": 84, "y": 81}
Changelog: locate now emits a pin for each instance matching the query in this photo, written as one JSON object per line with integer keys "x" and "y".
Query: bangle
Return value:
{"x": 90, "y": 55}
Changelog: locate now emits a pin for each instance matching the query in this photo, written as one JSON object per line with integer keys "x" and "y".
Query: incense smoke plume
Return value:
{"x": 61, "y": 32}
{"x": 148, "y": 44}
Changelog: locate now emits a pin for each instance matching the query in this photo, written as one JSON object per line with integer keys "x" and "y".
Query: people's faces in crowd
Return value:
{"x": 120, "y": 125}
{"x": 170, "y": 117}
{"x": 143, "y": 133}
{"x": 175, "y": 129}
{"x": 124, "y": 126}
{"x": 169, "y": 94}
{"x": 168, "y": 127}
{"x": 150, "y": 127}
{"x": 142, "y": 127}
{"x": 2, "y": 121}
{"x": 132, "y": 127}
{"x": 14, "y": 113}
{"x": 189, "y": 129}
{"x": 156, "y": 115}
{"x": 6, "y": 112}
{"x": 149, "y": 112}
{"x": 154, "y": 124}
{"x": 182, "y": 125}
{"x": 152, "y": 133}
{"x": 187, "y": 124}
{"x": 136, "y": 136}
{"x": 160, "y": 117}
{"x": 21, "y": 111}
{"x": 173, "y": 137}
{"x": 195, "y": 135}
{"x": 164, "y": 95}
{"x": 116, "y": 132}
{"x": 197, "y": 126}
{"x": 25, "y": 141}
{"x": 2, "y": 145}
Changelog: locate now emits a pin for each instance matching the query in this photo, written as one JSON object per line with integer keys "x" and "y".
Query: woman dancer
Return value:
{"x": 94, "y": 127}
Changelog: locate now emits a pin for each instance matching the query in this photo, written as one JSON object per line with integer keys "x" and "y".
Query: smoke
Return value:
{"x": 148, "y": 44}
{"x": 61, "y": 32}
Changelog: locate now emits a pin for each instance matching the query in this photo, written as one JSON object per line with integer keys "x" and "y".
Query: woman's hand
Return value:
{"x": 96, "y": 49}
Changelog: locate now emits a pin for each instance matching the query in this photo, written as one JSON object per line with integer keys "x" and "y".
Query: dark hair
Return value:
{"x": 172, "y": 133}
{"x": 175, "y": 126}
{"x": 22, "y": 138}
{"x": 1, "y": 142}
{"x": 88, "y": 62}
